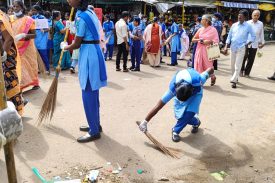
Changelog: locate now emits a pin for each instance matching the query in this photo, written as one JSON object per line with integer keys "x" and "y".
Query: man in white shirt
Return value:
{"x": 122, "y": 41}
{"x": 251, "y": 49}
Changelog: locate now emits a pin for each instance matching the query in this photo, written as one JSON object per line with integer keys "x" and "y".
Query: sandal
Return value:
{"x": 213, "y": 81}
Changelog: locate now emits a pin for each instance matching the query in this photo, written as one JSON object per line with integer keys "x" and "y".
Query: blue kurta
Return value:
{"x": 58, "y": 38}
{"x": 108, "y": 27}
{"x": 88, "y": 56}
{"x": 175, "y": 43}
{"x": 193, "y": 103}
{"x": 41, "y": 39}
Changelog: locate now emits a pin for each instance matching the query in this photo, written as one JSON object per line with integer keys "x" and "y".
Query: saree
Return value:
{"x": 152, "y": 35}
{"x": 29, "y": 66}
{"x": 184, "y": 40}
{"x": 10, "y": 67}
{"x": 201, "y": 62}
{"x": 57, "y": 39}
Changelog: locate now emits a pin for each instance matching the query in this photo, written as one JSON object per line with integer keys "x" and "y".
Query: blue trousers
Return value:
{"x": 135, "y": 55}
{"x": 188, "y": 118}
{"x": 193, "y": 54}
{"x": 164, "y": 50}
{"x": 141, "y": 53}
{"x": 174, "y": 59}
{"x": 91, "y": 106}
{"x": 110, "y": 50}
{"x": 45, "y": 57}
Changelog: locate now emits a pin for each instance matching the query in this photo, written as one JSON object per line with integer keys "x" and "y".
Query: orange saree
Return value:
{"x": 27, "y": 51}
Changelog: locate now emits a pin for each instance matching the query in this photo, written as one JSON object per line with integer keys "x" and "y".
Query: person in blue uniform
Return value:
{"x": 142, "y": 25}
{"x": 92, "y": 70}
{"x": 41, "y": 39}
{"x": 108, "y": 28}
{"x": 136, "y": 37}
{"x": 175, "y": 43}
{"x": 217, "y": 23}
{"x": 194, "y": 46}
{"x": 186, "y": 88}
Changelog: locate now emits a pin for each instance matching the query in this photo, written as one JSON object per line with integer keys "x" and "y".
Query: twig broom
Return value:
{"x": 49, "y": 104}
{"x": 174, "y": 153}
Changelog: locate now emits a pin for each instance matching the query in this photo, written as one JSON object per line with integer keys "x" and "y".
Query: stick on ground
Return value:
{"x": 174, "y": 153}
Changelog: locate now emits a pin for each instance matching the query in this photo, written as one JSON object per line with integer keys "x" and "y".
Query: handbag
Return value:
{"x": 148, "y": 46}
{"x": 213, "y": 52}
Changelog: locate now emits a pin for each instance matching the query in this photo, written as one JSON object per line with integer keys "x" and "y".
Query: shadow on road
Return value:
{"x": 114, "y": 86}
{"x": 215, "y": 155}
{"x": 262, "y": 90}
{"x": 112, "y": 151}
{"x": 219, "y": 90}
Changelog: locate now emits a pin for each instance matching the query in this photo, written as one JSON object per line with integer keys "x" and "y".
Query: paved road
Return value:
{"x": 237, "y": 133}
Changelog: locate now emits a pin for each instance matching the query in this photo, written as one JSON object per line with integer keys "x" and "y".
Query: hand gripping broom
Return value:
{"x": 174, "y": 153}
{"x": 49, "y": 104}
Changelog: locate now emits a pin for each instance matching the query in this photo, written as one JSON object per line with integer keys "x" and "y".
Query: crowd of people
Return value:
{"x": 91, "y": 43}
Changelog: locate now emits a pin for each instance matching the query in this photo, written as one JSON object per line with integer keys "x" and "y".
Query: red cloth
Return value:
{"x": 155, "y": 39}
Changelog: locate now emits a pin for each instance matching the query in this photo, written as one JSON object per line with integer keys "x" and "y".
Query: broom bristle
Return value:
{"x": 49, "y": 104}
{"x": 166, "y": 150}
{"x": 41, "y": 65}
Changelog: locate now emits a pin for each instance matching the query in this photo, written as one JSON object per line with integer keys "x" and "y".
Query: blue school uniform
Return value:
{"x": 108, "y": 28}
{"x": 175, "y": 43}
{"x": 185, "y": 111}
{"x": 136, "y": 48}
{"x": 41, "y": 43}
{"x": 142, "y": 28}
{"x": 92, "y": 69}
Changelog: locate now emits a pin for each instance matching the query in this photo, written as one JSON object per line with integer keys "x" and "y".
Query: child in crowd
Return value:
{"x": 136, "y": 37}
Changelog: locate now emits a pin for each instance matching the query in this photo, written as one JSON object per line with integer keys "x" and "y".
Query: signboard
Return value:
{"x": 41, "y": 24}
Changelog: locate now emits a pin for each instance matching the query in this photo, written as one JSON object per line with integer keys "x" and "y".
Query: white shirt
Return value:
{"x": 259, "y": 31}
{"x": 121, "y": 31}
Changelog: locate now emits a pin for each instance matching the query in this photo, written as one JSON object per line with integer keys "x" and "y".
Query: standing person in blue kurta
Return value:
{"x": 41, "y": 39}
{"x": 136, "y": 36}
{"x": 92, "y": 70}
{"x": 175, "y": 43}
{"x": 58, "y": 38}
{"x": 187, "y": 91}
{"x": 108, "y": 28}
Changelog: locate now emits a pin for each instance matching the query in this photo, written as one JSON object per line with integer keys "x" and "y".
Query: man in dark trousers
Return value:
{"x": 122, "y": 41}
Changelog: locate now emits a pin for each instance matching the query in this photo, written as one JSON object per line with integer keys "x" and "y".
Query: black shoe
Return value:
{"x": 86, "y": 128}
{"x": 72, "y": 70}
{"x": 271, "y": 78}
{"x": 175, "y": 137}
{"x": 171, "y": 64}
{"x": 118, "y": 69}
{"x": 195, "y": 128}
{"x": 234, "y": 85}
{"x": 162, "y": 62}
{"x": 125, "y": 70}
{"x": 25, "y": 102}
{"x": 110, "y": 58}
{"x": 136, "y": 69}
{"x": 36, "y": 88}
{"x": 88, "y": 138}
{"x": 132, "y": 68}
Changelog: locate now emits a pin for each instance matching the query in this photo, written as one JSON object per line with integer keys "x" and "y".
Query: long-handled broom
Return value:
{"x": 174, "y": 153}
{"x": 49, "y": 104}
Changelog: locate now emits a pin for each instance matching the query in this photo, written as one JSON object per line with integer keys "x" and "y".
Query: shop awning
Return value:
{"x": 239, "y": 5}
{"x": 266, "y": 7}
